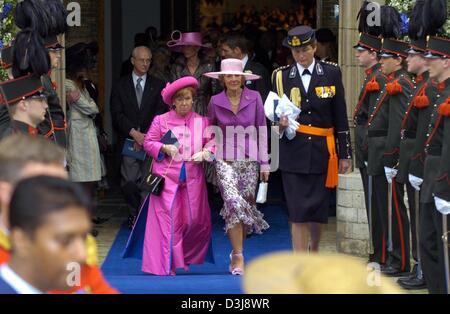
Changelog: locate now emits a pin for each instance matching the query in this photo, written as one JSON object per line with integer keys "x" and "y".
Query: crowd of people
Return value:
{"x": 190, "y": 124}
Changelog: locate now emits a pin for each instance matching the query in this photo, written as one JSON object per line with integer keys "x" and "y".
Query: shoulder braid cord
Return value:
{"x": 295, "y": 92}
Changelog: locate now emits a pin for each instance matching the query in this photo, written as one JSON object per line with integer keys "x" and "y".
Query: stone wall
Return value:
{"x": 352, "y": 228}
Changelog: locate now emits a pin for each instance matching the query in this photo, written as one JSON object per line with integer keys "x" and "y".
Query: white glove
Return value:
{"x": 201, "y": 156}
{"x": 170, "y": 150}
{"x": 416, "y": 182}
{"x": 366, "y": 163}
{"x": 390, "y": 174}
{"x": 442, "y": 205}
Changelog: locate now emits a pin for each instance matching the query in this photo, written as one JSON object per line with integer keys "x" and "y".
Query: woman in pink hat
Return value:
{"x": 178, "y": 230}
{"x": 192, "y": 63}
{"x": 242, "y": 158}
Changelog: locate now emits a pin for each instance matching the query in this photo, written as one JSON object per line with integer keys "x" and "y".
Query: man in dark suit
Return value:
{"x": 309, "y": 163}
{"x": 235, "y": 46}
{"x": 135, "y": 101}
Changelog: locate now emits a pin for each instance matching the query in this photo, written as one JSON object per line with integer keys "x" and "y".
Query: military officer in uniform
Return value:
{"x": 25, "y": 102}
{"x": 45, "y": 21}
{"x": 367, "y": 50}
{"x": 417, "y": 66}
{"x": 309, "y": 163}
{"x": 435, "y": 178}
{"x": 384, "y": 141}
{"x": 441, "y": 47}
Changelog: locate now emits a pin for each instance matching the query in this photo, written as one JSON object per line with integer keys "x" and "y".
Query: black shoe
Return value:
{"x": 131, "y": 221}
{"x": 413, "y": 274}
{"x": 392, "y": 271}
{"x": 413, "y": 283}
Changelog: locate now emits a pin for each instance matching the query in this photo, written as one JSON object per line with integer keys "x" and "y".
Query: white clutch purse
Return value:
{"x": 261, "y": 198}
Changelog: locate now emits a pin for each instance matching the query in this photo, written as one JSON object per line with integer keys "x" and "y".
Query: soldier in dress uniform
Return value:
{"x": 47, "y": 19}
{"x": 384, "y": 141}
{"x": 435, "y": 178}
{"x": 428, "y": 146}
{"x": 25, "y": 102}
{"x": 441, "y": 71}
{"x": 367, "y": 50}
{"x": 309, "y": 163}
{"x": 417, "y": 65}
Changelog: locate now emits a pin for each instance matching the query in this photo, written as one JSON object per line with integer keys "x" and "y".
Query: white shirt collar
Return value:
{"x": 135, "y": 79}
{"x": 245, "y": 60}
{"x": 310, "y": 68}
{"x": 17, "y": 283}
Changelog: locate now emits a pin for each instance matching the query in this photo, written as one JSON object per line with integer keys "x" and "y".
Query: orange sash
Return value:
{"x": 333, "y": 169}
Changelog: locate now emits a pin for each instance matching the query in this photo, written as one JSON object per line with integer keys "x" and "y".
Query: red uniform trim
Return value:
{"x": 436, "y": 127}
{"x": 400, "y": 225}
{"x": 379, "y": 105}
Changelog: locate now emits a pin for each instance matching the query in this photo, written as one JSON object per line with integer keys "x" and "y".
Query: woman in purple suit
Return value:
{"x": 241, "y": 158}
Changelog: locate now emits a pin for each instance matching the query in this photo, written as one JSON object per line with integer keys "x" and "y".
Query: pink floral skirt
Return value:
{"x": 237, "y": 181}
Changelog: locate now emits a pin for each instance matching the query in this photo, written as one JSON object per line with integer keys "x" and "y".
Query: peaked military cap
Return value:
{"x": 438, "y": 47}
{"x": 299, "y": 36}
{"x": 393, "y": 48}
{"x": 20, "y": 89}
{"x": 368, "y": 42}
{"x": 51, "y": 42}
{"x": 417, "y": 47}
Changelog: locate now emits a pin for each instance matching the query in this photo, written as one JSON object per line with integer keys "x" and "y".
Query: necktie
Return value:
{"x": 139, "y": 91}
{"x": 306, "y": 72}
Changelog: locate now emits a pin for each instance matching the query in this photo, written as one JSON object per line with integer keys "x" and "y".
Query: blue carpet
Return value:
{"x": 126, "y": 275}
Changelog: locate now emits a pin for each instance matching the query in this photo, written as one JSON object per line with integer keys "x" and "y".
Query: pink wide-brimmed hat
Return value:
{"x": 171, "y": 88}
{"x": 179, "y": 40}
{"x": 233, "y": 66}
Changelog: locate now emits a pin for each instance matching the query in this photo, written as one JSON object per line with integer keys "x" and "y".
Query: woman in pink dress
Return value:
{"x": 178, "y": 230}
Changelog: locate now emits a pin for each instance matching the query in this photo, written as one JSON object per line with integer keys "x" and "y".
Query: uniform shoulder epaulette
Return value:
{"x": 5, "y": 244}
{"x": 92, "y": 251}
{"x": 280, "y": 69}
{"x": 331, "y": 63}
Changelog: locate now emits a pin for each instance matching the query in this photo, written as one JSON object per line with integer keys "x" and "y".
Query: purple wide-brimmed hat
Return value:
{"x": 233, "y": 66}
{"x": 171, "y": 88}
{"x": 179, "y": 40}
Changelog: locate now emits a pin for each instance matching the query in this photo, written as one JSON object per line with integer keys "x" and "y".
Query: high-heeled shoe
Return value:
{"x": 236, "y": 271}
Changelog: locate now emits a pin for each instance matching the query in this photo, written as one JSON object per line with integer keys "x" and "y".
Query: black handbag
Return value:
{"x": 153, "y": 184}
